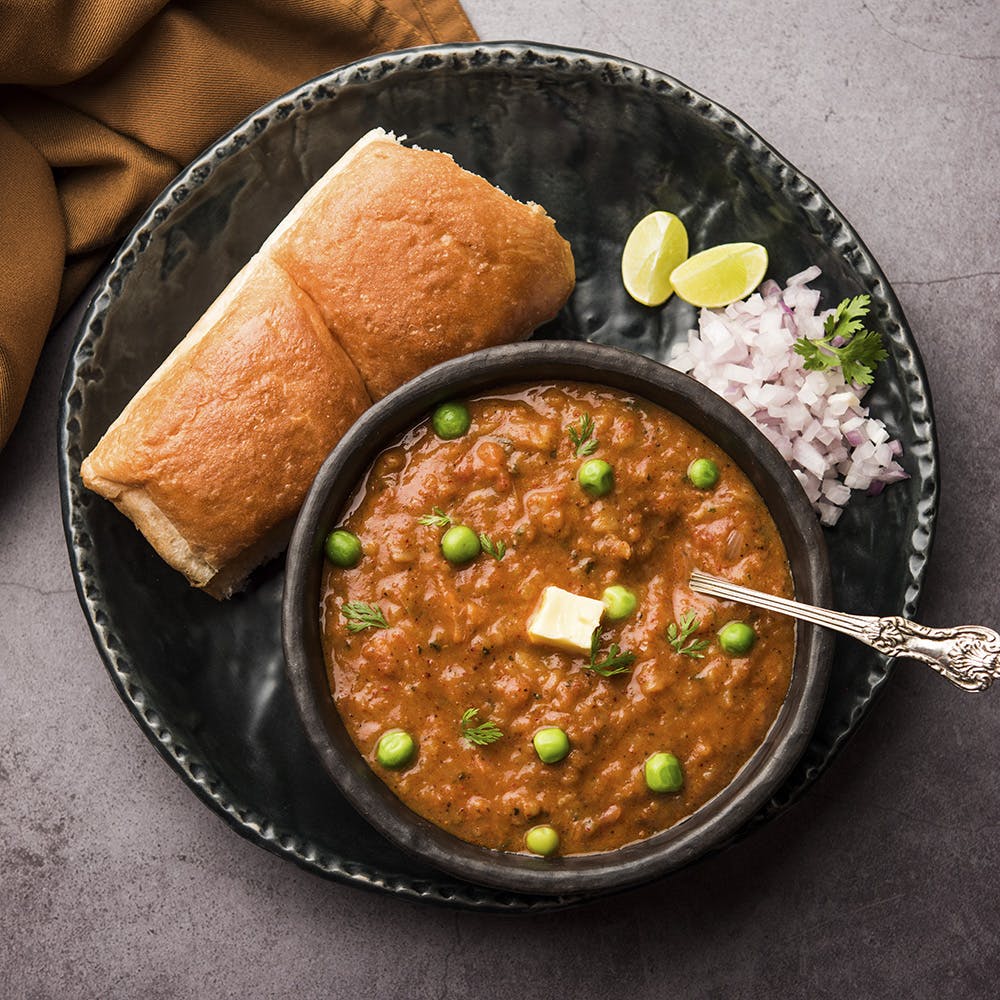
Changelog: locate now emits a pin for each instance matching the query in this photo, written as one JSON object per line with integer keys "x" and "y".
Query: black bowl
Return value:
{"x": 715, "y": 822}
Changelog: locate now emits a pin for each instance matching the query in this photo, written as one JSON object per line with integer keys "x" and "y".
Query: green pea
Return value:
{"x": 542, "y": 840}
{"x": 736, "y": 638}
{"x": 395, "y": 749}
{"x": 551, "y": 744}
{"x": 664, "y": 773}
{"x": 703, "y": 473}
{"x": 343, "y": 548}
{"x": 596, "y": 477}
{"x": 460, "y": 544}
{"x": 451, "y": 420}
{"x": 619, "y": 602}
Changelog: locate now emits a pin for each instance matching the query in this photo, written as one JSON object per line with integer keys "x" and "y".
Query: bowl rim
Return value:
{"x": 717, "y": 821}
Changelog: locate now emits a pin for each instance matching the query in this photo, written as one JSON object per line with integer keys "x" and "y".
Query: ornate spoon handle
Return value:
{"x": 968, "y": 655}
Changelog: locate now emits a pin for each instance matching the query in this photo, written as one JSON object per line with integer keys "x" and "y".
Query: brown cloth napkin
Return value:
{"x": 103, "y": 101}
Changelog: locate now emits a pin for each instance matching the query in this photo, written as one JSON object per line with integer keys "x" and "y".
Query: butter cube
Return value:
{"x": 564, "y": 620}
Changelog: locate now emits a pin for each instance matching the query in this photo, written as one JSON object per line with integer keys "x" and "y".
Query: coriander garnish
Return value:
{"x": 436, "y": 519}
{"x": 616, "y": 662}
{"x": 495, "y": 549}
{"x": 483, "y": 734}
{"x": 582, "y": 437}
{"x": 678, "y": 638}
{"x": 361, "y": 615}
{"x": 860, "y": 351}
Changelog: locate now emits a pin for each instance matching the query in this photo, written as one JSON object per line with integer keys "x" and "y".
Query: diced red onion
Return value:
{"x": 804, "y": 277}
{"x": 816, "y": 420}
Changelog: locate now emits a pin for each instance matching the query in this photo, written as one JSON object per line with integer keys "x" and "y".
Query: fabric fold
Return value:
{"x": 102, "y": 102}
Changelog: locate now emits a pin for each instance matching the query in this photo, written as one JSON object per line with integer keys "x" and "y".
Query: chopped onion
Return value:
{"x": 817, "y": 422}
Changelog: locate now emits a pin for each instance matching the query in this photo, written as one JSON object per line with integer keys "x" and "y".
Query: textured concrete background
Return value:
{"x": 116, "y": 882}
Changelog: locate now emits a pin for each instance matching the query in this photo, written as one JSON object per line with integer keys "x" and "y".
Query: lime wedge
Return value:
{"x": 720, "y": 275}
{"x": 653, "y": 249}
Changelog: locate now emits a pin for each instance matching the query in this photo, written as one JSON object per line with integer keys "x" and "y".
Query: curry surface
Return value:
{"x": 457, "y": 635}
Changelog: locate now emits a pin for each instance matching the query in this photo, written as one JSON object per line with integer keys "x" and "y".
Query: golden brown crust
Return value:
{"x": 218, "y": 449}
{"x": 412, "y": 260}
{"x": 395, "y": 260}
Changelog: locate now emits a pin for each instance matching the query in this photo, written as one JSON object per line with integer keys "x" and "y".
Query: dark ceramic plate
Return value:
{"x": 599, "y": 143}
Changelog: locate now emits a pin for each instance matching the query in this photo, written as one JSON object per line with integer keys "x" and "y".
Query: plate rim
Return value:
{"x": 515, "y": 55}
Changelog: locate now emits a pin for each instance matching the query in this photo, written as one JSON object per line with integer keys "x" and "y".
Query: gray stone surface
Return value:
{"x": 116, "y": 882}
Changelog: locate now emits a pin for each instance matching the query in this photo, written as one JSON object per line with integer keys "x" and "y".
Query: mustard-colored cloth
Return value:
{"x": 103, "y": 101}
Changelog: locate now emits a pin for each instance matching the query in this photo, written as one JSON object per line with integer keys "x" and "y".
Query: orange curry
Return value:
{"x": 456, "y": 635}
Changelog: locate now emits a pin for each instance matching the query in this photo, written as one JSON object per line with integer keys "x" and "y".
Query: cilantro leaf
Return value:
{"x": 859, "y": 353}
{"x": 616, "y": 662}
{"x": 483, "y": 734}
{"x": 846, "y": 318}
{"x": 678, "y": 637}
{"x": 436, "y": 519}
{"x": 496, "y": 549}
{"x": 582, "y": 436}
{"x": 360, "y": 616}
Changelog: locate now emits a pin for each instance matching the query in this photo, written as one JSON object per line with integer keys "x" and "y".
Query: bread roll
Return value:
{"x": 402, "y": 247}
{"x": 395, "y": 260}
{"x": 213, "y": 456}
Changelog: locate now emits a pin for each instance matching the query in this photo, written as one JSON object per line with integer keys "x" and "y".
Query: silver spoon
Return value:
{"x": 968, "y": 655}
